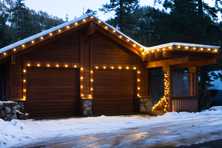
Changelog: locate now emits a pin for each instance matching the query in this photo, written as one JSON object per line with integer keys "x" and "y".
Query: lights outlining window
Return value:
{"x": 48, "y": 65}
{"x": 24, "y": 70}
{"x": 38, "y": 64}
{"x": 66, "y": 65}
{"x": 120, "y": 67}
{"x": 28, "y": 64}
{"x": 57, "y": 65}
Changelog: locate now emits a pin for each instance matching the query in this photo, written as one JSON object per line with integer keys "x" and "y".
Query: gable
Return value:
{"x": 107, "y": 51}
{"x": 34, "y": 40}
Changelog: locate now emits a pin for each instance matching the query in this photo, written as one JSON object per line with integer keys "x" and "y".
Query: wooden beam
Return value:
{"x": 91, "y": 29}
{"x": 198, "y": 63}
{"x": 163, "y": 63}
{"x": 181, "y": 62}
{"x": 193, "y": 86}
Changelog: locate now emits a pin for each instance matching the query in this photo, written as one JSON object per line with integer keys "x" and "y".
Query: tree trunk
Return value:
{"x": 121, "y": 15}
{"x": 200, "y": 8}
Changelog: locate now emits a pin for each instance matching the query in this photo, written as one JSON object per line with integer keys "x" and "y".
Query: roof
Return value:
{"x": 183, "y": 47}
{"x": 138, "y": 48}
{"x": 38, "y": 35}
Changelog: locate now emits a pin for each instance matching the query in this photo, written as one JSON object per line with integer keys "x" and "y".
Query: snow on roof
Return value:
{"x": 142, "y": 49}
{"x": 43, "y": 33}
{"x": 46, "y": 32}
{"x": 180, "y": 44}
{"x": 124, "y": 35}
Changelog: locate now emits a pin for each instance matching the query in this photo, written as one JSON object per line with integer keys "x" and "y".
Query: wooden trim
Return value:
{"x": 181, "y": 62}
{"x": 193, "y": 84}
{"x": 198, "y": 63}
{"x": 163, "y": 63}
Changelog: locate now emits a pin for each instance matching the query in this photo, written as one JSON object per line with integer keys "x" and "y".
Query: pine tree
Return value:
{"x": 202, "y": 7}
{"x": 21, "y": 20}
{"x": 5, "y": 34}
{"x": 25, "y": 22}
{"x": 123, "y": 9}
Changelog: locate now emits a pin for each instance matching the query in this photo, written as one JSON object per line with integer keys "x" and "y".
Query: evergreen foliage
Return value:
{"x": 124, "y": 9}
{"x": 17, "y": 21}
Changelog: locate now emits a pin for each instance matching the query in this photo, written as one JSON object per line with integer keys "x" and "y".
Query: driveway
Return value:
{"x": 142, "y": 137}
{"x": 171, "y": 129}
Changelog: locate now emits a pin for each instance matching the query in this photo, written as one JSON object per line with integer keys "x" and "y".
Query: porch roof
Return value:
{"x": 177, "y": 53}
{"x": 183, "y": 47}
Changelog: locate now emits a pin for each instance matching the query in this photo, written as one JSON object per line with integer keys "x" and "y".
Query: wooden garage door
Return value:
{"x": 114, "y": 92}
{"x": 52, "y": 92}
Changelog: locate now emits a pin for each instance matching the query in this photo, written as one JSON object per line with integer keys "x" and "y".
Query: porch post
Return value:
{"x": 167, "y": 86}
{"x": 193, "y": 84}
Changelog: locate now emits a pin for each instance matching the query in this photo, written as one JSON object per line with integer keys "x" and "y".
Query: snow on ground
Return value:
{"x": 170, "y": 127}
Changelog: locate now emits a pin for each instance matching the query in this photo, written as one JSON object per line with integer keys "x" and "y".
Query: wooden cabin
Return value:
{"x": 87, "y": 67}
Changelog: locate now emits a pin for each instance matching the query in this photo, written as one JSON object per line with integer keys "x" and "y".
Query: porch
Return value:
{"x": 173, "y": 77}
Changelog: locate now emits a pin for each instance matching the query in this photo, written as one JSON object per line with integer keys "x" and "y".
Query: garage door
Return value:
{"x": 115, "y": 92}
{"x": 53, "y": 92}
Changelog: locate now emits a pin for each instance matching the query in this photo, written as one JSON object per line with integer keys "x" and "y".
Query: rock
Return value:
{"x": 2, "y": 114}
{"x": 8, "y": 110}
{"x": 145, "y": 105}
{"x": 1, "y": 106}
{"x": 87, "y": 107}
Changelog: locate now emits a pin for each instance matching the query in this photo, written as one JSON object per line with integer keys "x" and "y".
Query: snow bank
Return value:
{"x": 176, "y": 126}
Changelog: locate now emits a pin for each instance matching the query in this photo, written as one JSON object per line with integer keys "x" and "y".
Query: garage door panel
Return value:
{"x": 114, "y": 92}
{"x": 52, "y": 92}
